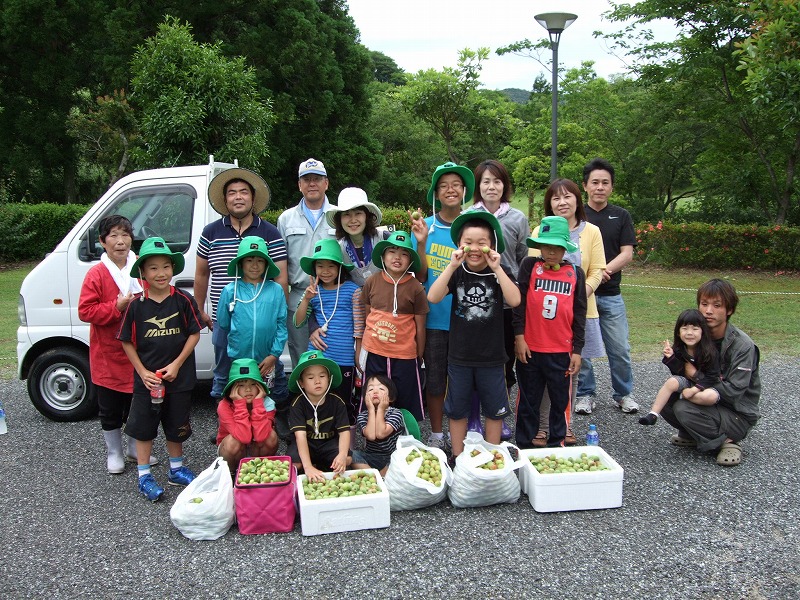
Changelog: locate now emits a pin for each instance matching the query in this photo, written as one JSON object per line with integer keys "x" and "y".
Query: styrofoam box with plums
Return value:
{"x": 555, "y": 492}
{"x": 351, "y": 513}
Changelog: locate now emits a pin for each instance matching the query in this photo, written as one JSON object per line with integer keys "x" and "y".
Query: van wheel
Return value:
{"x": 59, "y": 385}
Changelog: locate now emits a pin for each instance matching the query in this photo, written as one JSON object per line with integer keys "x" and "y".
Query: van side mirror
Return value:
{"x": 90, "y": 248}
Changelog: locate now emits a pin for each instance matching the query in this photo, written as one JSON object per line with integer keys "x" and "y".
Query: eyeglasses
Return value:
{"x": 442, "y": 187}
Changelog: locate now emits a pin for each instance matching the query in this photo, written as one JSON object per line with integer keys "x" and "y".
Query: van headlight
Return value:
{"x": 23, "y": 319}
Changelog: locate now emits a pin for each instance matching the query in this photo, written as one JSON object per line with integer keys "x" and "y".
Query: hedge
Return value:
{"x": 704, "y": 245}
{"x": 29, "y": 231}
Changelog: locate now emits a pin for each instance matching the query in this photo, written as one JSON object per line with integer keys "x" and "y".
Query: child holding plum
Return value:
{"x": 318, "y": 418}
{"x": 693, "y": 361}
{"x": 549, "y": 329}
{"x": 380, "y": 423}
{"x": 479, "y": 284}
{"x": 246, "y": 415}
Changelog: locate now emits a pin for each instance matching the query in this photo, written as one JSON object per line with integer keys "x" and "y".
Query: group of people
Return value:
{"x": 382, "y": 327}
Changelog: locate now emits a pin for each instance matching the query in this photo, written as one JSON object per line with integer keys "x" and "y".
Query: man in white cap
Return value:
{"x": 302, "y": 226}
{"x": 239, "y": 195}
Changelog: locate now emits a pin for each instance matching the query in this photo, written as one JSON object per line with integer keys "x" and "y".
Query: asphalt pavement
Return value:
{"x": 687, "y": 528}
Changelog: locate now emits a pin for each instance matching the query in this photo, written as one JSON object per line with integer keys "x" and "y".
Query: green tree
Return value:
{"x": 409, "y": 150}
{"x": 41, "y": 66}
{"x": 310, "y": 65}
{"x": 705, "y": 58}
{"x": 194, "y": 101}
{"x": 472, "y": 123}
{"x": 770, "y": 58}
{"x": 385, "y": 69}
{"x": 305, "y": 53}
{"x": 106, "y": 131}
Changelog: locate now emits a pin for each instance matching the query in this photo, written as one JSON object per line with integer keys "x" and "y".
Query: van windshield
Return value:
{"x": 164, "y": 211}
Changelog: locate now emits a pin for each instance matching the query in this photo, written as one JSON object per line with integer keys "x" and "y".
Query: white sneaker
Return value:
{"x": 628, "y": 405}
{"x": 584, "y": 405}
{"x": 440, "y": 443}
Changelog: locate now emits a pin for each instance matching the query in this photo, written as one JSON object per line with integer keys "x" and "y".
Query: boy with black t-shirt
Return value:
{"x": 159, "y": 333}
{"x": 476, "y": 357}
{"x": 318, "y": 418}
{"x": 549, "y": 328}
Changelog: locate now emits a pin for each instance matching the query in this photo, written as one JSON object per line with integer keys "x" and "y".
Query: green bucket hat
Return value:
{"x": 156, "y": 246}
{"x": 311, "y": 358}
{"x": 326, "y": 249}
{"x": 482, "y": 215}
{"x": 244, "y": 368}
{"x": 450, "y": 167}
{"x": 252, "y": 245}
{"x": 553, "y": 231}
{"x": 400, "y": 239}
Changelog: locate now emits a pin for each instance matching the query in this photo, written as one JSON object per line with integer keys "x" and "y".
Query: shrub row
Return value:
{"x": 29, "y": 231}
{"x": 704, "y": 245}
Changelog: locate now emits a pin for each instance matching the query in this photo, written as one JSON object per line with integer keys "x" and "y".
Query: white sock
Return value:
{"x": 175, "y": 463}
{"x": 437, "y": 435}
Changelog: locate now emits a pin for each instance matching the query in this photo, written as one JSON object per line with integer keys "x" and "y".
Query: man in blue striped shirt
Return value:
{"x": 239, "y": 195}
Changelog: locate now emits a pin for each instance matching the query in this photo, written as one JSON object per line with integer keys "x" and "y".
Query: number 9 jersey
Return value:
{"x": 552, "y": 314}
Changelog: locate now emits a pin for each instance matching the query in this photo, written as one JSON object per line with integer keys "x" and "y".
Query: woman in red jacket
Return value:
{"x": 107, "y": 290}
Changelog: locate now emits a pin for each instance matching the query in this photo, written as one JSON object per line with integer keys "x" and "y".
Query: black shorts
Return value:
{"x": 322, "y": 455}
{"x": 174, "y": 418}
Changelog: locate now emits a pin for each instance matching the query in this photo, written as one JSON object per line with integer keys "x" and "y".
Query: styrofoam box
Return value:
{"x": 557, "y": 492}
{"x": 335, "y": 515}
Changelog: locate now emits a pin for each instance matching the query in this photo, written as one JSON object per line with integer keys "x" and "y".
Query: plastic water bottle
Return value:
{"x": 3, "y": 425}
{"x": 592, "y": 437}
{"x": 158, "y": 392}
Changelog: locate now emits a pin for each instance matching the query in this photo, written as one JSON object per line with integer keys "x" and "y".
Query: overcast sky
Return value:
{"x": 427, "y": 34}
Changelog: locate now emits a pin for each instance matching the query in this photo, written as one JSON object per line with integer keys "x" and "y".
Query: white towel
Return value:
{"x": 122, "y": 277}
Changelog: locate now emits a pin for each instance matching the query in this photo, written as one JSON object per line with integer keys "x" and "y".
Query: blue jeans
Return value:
{"x": 298, "y": 338}
{"x": 222, "y": 362}
{"x": 614, "y": 329}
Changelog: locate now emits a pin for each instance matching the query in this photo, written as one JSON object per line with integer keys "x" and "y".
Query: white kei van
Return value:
{"x": 52, "y": 342}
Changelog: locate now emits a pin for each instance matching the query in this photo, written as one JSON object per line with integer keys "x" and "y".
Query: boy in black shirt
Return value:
{"x": 159, "y": 334}
{"x": 318, "y": 418}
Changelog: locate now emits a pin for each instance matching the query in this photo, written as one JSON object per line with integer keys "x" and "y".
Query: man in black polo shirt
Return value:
{"x": 619, "y": 239}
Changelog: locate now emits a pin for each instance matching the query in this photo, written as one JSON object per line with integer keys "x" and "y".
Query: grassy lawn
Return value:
{"x": 10, "y": 281}
{"x": 767, "y": 309}
{"x": 654, "y": 297}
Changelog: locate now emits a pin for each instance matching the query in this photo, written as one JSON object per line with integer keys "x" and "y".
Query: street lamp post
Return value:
{"x": 555, "y": 23}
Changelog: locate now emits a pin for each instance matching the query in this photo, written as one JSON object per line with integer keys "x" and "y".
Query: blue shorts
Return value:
{"x": 488, "y": 382}
{"x": 373, "y": 459}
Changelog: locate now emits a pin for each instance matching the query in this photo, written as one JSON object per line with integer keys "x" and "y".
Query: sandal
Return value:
{"x": 730, "y": 455}
{"x": 570, "y": 439}
{"x": 540, "y": 441}
{"x": 677, "y": 440}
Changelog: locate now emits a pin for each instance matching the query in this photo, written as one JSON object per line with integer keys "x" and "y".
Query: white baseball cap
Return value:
{"x": 312, "y": 166}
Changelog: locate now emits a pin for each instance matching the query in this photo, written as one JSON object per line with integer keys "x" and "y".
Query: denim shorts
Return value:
{"x": 373, "y": 459}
